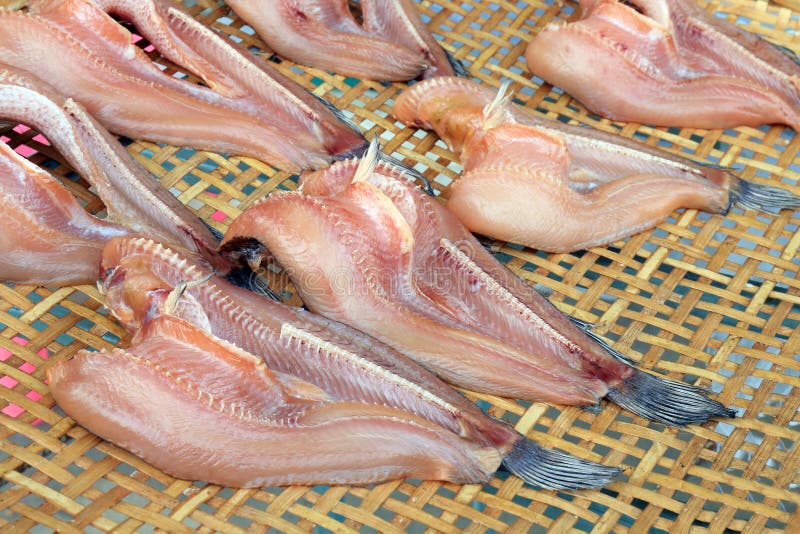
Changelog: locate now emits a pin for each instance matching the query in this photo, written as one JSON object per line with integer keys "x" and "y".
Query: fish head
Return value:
{"x": 243, "y": 251}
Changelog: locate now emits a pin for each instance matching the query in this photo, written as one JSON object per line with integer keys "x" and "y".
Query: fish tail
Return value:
{"x": 762, "y": 197}
{"x": 666, "y": 401}
{"x": 554, "y": 469}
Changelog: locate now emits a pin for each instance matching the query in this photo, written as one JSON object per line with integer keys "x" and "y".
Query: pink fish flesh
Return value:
{"x": 133, "y": 198}
{"x": 200, "y": 408}
{"x": 392, "y": 43}
{"x": 669, "y": 63}
{"x": 369, "y": 249}
{"x": 557, "y": 187}
{"x": 347, "y": 365}
{"x": 47, "y": 237}
{"x": 245, "y": 108}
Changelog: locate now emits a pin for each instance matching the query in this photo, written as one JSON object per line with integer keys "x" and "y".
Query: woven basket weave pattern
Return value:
{"x": 702, "y": 298}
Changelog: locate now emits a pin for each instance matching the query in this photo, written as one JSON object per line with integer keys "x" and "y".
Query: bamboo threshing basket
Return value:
{"x": 706, "y": 299}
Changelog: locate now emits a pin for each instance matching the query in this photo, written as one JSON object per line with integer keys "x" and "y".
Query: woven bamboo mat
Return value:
{"x": 706, "y": 299}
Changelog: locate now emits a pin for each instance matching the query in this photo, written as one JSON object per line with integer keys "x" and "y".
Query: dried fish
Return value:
{"x": 669, "y": 63}
{"x": 246, "y": 107}
{"x": 447, "y": 437}
{"x": 558, "y": 187}
{"x": 366, "y": 247}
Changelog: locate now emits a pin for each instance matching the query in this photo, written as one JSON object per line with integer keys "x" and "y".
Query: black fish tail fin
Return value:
{"x": 554, "y": 469}
{"x": 762, "y": 197}
{"x": 666, "y": 401}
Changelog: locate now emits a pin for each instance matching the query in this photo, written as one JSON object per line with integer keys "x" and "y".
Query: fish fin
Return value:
{"x": 554, "y": 469}
{"x": 762, "y": 197}
{"x": 171, "y": 304}
{"x": 592, "y": 408}
{"x": 543, "y": 290}
{"x": 580, "y": 323}
{"x": 338, "y": 113}
{"x": 587, "y": 329}
{"x": 788, "y": 52}
{"x": 246, "y": 255}
{"x": 352, "y": 152}
{"x": 410, "y": 171}
{"x": 243, "y": 276}
{"x": 368, "y": 161}
{"x": 458, "y": 66}
{"x": 666, "y": 401}
{"x": 717, "y": 166}
{"x": 216, "y": 233}
{"x": 494, "y": 111}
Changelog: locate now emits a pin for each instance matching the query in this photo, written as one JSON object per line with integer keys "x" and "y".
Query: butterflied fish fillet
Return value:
{"x": 132, "y": 197}
{"x": 200, "y": 408}
{"x": 364, "y": 246}
{"x": 47, "y": 236}
{"x": 348, "y": 366}
{"x": 247, "y": 108}
{"x": 669, "y": 63}
{"x": 557, "y": 187}
{"x": 392, "y": 42}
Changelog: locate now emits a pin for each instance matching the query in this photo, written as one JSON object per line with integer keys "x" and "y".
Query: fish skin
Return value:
{"x": 121, "y": 87}
{"x": 133, "y": 198}
{"x": 397, "y": 265}
{"x": 47, "y": 237}
{"x": 673, "y": 64}
{"x": 347, "y": 365}
{"x": 201, "y": 409}
{"x": 392, "y": 44}
{"x": 587, "y": 188}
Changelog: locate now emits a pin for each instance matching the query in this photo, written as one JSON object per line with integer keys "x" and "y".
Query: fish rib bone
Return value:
{"x": 718, "y": 35}
{"x": 101, "y": 64}
{"x": 157, "y": 249}
{"x": 504, "y": 294}
{"x": 494, "y": 111}
{"x": 289, "y": 331}
{"x": 196, "y": 392}
{"x": 367, "y": 164}
{"x": 249, "y": 66}
{"x": 638, "y": 60}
